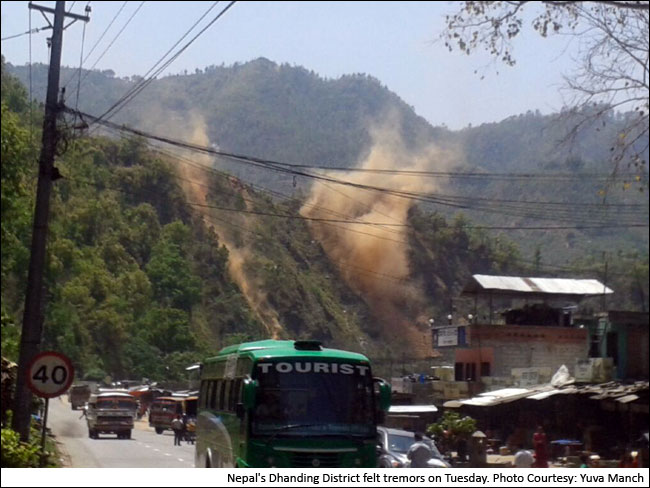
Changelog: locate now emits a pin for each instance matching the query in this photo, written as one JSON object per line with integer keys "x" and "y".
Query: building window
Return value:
{"x": 594, "y": 348}
{"x": 485, "y": 369}
{"x": 470, "y": 371}
{"x": 612, "y": 346}
{"x": 458, "y": 372}
{"x": 462, "y": 341}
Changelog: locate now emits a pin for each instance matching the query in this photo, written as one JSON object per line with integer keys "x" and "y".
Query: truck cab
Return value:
{"x": 111, "y": 413}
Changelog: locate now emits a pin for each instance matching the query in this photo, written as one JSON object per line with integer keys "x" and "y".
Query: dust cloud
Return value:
{"x": 192, "y": 175}
{"x": 373, "y": 259}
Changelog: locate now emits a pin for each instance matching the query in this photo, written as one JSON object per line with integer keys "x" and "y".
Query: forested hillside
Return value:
{"x": 289, "y": 114}
{"x": 157, "y": 258}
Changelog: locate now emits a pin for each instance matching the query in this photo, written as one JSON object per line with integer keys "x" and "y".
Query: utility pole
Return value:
{"x": 32, "y": 331}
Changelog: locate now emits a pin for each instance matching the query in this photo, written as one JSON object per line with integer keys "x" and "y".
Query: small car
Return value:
{"x": 393, "y": 444}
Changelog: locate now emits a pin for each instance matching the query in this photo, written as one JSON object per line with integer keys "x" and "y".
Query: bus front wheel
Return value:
{"x": 159, "y": 430}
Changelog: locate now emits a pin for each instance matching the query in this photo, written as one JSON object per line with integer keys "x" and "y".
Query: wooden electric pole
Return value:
{"x": 32, "y": 331}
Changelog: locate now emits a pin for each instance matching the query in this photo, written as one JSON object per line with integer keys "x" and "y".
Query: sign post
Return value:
{"x": 49, "y": 375}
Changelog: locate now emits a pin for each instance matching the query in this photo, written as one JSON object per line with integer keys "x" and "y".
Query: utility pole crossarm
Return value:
{"x": 49, "y": 10}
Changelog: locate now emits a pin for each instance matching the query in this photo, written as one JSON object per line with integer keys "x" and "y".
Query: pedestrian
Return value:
{"x": 628, "y": 461}
{"x": 184, "y": 432}
{"x": 541, "y": 451}
{"x": 177, "y": 427}
{"x": 419, "y": 453}
{"x": 191, "y": 430}
{"x": 594, "y": 461}
{"x": 461, "y": 449}
{"x": 523, "y": 458}
{"x": 584, "y": 460}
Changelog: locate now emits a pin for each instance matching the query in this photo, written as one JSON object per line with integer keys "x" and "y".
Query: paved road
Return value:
{"x": 145, "y": 449}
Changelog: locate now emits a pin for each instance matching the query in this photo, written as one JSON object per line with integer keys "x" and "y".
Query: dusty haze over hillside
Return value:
{"x": 373, "y": 259}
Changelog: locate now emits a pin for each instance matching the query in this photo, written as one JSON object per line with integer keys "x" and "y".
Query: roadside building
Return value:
{"x": 604, "y": 418}
{"x": 521, "y": 346}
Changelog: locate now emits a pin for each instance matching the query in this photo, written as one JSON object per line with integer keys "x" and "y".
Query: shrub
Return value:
{"x": 17, "y": 454}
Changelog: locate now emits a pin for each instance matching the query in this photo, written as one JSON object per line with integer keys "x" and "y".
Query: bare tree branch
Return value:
{"x": 613, "y": 71}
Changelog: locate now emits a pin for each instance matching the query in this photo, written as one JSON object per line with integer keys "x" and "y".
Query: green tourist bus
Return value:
{"x": 288, "y": 404}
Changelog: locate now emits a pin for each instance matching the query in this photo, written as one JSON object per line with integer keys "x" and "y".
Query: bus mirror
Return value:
{"x": 249, "y": 393}
{"x": 384, "y": 394}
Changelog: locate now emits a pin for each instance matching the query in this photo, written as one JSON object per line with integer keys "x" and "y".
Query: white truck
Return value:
{"x": 111, "y": 413}
{"x": 79, "y": 395}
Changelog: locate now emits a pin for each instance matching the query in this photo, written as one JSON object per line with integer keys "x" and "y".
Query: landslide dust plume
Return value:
{"x": 373, "y": 259}
{"x": 195, "y": 184}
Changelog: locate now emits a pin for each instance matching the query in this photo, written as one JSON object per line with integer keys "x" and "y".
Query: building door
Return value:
{"x": 612, "y": 346}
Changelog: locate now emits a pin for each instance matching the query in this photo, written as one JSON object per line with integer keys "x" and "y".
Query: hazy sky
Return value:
{"x": 393, "y": 41}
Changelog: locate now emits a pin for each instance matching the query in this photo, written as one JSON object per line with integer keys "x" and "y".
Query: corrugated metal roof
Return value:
{"x": 505, "y": 392}
{"x": 627, "y": 398}
{"x": 623, "y": 393}
{"x": 549, "y": 393}
{"x": 412, "y": 409}
{"x": 555, "y": 286}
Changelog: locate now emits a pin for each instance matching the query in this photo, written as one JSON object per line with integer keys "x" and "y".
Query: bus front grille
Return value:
{"x": 315, "y": 459}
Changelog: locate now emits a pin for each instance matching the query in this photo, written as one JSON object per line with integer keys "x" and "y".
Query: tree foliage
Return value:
{"x": 17, "y": 454}
{"x": 613, "y": 63}
{"x": 450, "y": 428}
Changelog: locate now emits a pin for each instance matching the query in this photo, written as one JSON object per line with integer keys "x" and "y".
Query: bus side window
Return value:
{"x": 225, "y": 395}
{"x": 203, "y": 396}
{"x": 236, "y": 394}
{"x": 213, "y": 394}
{"x": 222, "y": 392}
{"x": 232, "y": 399}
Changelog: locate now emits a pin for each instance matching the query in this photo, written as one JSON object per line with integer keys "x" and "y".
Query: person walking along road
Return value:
{"x": 419, "y": 453}
{"x": 177, "y": 427}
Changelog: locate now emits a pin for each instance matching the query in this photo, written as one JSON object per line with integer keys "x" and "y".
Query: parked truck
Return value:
{"x": 111, "y": 413}
{"x": 79, "y": 395}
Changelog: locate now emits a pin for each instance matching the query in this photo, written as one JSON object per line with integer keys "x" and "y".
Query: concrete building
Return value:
{"x": 520, "y": 346}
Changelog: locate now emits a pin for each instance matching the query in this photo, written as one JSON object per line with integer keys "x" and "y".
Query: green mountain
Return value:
{"x": 288, "y": 114}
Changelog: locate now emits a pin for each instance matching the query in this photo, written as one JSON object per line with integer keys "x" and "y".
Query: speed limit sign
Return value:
{"x": 50, "y": 374}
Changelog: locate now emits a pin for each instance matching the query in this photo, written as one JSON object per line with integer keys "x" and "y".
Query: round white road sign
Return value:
{"x": 50, "y": 374}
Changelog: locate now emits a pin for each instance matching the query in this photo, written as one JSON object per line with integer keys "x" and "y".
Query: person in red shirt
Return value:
{"x": 541, "y": 450}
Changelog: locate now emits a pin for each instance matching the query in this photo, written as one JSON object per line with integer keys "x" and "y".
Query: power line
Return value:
{"x": 153, "y": 67}
{"x": 192, "y": 204}
{"x": 221, "y": 174}
{"x": 92, "y": 49}
{"x": 114, "y": 39}
{"x": 506, "y": 207}
{"x": 30, "y": 31}
{"x": 117, "y": 106}
{"x": 271, "y": 214}
{"x": 470, "y": 174}
{"x": 214, "y": 172}
{"x": 81, "y": 56}
{"x": 350, "y": 220}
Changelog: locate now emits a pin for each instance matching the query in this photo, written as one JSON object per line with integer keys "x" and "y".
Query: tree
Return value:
{"x": 450, "y": 428}
{"x": 613, "y": 72}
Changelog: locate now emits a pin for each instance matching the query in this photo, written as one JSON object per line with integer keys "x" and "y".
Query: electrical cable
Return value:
{"x": 117, "y": 106}
{"x": 506, "y": 207}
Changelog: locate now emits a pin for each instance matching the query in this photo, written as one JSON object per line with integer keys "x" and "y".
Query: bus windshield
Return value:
{"x": 306, "y": 397}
